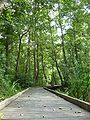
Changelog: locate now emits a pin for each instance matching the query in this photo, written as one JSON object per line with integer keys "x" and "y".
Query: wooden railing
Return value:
{"x": 80, "y": 103}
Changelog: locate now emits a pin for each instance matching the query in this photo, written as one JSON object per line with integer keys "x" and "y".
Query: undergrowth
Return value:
{"x": 7, "y": 88}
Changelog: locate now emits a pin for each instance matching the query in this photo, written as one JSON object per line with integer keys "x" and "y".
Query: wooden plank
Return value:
{"x": 40, "y": 104}
{"x": 54, "y": 87}
{"x": 80, "y": 103}
{"x": 9, "y": 100}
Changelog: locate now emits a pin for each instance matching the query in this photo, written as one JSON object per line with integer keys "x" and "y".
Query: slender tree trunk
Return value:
{"x": 19, "y": 50}
{"x": 43, "y": 66}
{"x": 26, "y": 67}
{"x": 62, "y": 36}
{"x": 57, "y": 67}
{"x": 7, "y": 51}
{"x": 53, "y": 79}
{"x": 37, "y": 69}
{"x": 34, "y": 55}
{"x": 63, "y": 48}
{"x": 55, "y": 59}
{"x": 66, "y": 73}
{"x": 34, "y": 39}
{"x": 75, "y": 46}
{"x": 18, "y": 56}
{"x": 28, "y": 58}
{"x": 29, "y": 54}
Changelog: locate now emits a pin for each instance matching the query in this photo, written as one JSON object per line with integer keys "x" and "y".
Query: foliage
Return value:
{"x": 7, "y": 89}
{"x": 45, "y": 42}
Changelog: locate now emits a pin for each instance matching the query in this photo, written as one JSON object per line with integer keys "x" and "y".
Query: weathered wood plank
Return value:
{"x": 9, "y": 100}
{"x": 80, "y": 103}
{"x": 39, "y": 104}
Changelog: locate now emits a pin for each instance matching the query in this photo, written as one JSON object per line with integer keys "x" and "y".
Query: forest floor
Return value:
{"x": 39, "y": 104}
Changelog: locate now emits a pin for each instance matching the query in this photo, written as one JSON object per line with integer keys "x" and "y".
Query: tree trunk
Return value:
{"x": 29, "y": 54}
{"x": 75, "y": 45}
{"x": 6, "y": 48}
{"x": 43, "y": 66}
{"x": 53, "y": 79}
{"x": 27, "y": 71}
{"x": 19, "y": 50}
{"x": 66, "y": 73}
{"x": 34, "y": 55}
{"x": 18, "y": 56}
{"x": 37, "y": 69}
{"x": 59, "y": 73}
{"x": 63, "y": 49}
{"x": 55, "y": 59}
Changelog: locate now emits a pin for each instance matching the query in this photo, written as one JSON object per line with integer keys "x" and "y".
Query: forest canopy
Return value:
{"x": 45, "y": 42}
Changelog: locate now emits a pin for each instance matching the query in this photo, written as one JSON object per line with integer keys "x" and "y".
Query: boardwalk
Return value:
{"x": 39, "y": 104}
